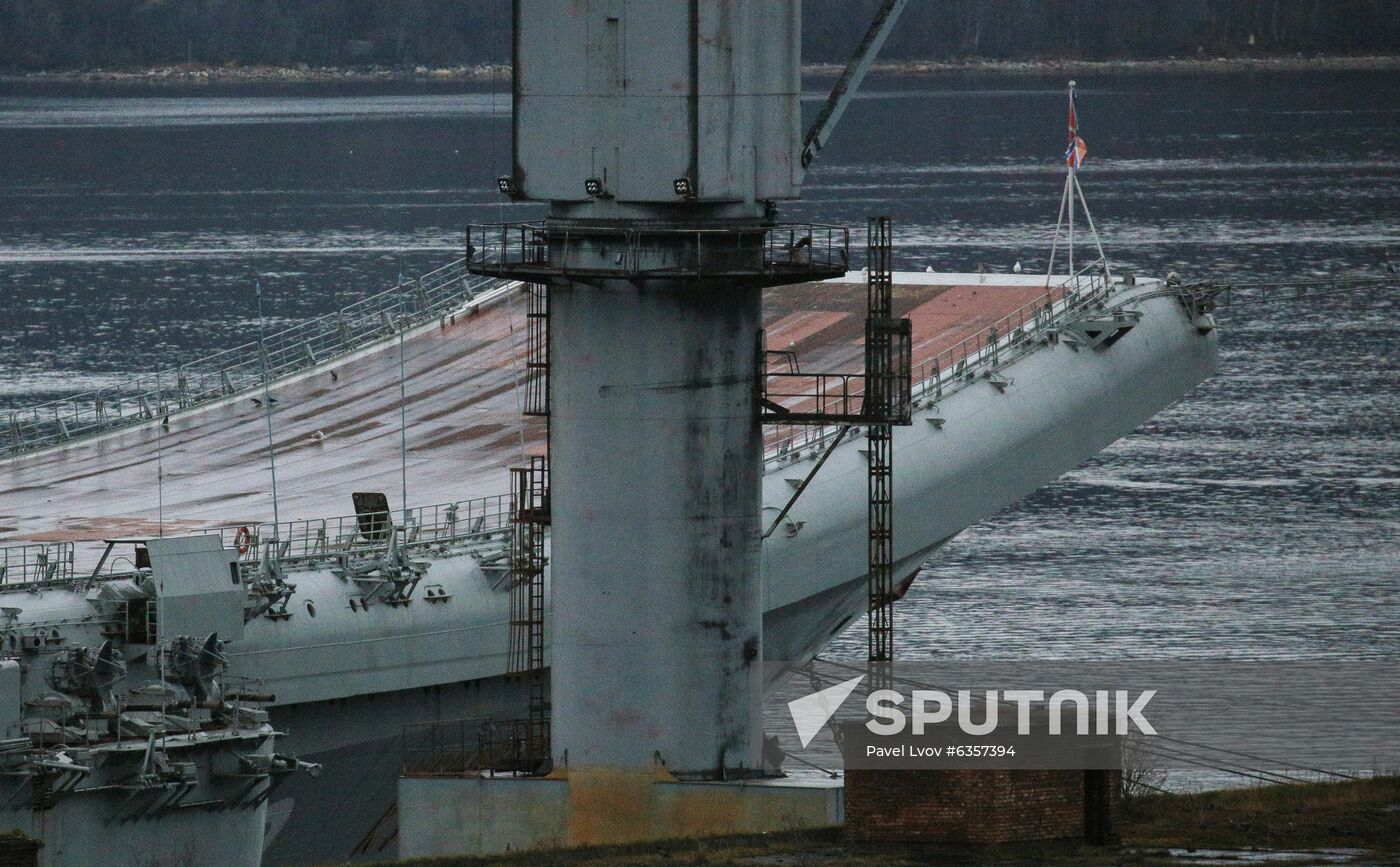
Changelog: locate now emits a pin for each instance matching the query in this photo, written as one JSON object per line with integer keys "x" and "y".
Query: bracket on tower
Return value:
{"x": 766, "y": 253}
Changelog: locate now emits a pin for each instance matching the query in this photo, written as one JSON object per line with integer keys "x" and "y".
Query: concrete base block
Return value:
{"x": 487, "y": 816}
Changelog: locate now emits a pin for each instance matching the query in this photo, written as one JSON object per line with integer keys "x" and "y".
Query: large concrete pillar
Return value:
{"x": 662, "y": 135}
{"x": 655, "y": 465}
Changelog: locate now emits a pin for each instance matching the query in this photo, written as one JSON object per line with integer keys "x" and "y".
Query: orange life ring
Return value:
{"x": 243, "y": 539}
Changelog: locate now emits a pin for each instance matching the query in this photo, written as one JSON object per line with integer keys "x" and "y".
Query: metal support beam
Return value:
{"x": 851, "y": 77}
{"x": 835, "y": 441}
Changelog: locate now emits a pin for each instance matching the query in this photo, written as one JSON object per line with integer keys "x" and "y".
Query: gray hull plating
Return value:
{"x": 347, "y": 676}
{"x": 967, "y": 456}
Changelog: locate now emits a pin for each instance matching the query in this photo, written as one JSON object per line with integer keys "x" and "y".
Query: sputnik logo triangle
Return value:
{"x": 812, "y": 712}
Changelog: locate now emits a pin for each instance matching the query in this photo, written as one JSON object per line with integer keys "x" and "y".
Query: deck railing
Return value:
{"x": 241, "y": 368}
{"x": 959, "y": 366}
{"x": 38, "y": 563}
{"x": 534, "y": 250}
{"x": 469, "y": 747}
{"x": 427, "y": 527}
{"x": 951, "y": 370}
{"x": 442, "y": 748}
{"x": 326, "y": 538}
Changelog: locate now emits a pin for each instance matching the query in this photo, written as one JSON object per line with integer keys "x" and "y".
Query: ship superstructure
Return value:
{"x": 126, "y": 729}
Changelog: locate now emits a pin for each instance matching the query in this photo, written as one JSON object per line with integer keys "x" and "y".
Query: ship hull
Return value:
{"x": 114, "y": 811}
{"x": 77, "y": 832}
{"x": 991, "y": 445}
{"x": 350, "y": 669}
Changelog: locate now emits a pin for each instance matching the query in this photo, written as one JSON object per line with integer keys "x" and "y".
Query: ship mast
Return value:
{"x": 1073, "y": 192}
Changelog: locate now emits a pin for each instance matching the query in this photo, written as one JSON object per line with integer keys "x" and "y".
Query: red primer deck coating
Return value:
{"x": 463, "y": 413}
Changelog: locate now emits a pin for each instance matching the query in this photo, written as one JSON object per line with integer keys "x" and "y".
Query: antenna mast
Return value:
{"x": 160, "y": 481}
{"x": 403, "y": 412}
{"x": 1074, "y": 158}
{"x": 267, "y": 410}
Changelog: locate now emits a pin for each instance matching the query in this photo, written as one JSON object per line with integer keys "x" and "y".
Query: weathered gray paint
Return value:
{"x": 78, "y": 832}
{"x": 638, "y": 93}
{"x": 655, "y": 442}
{"x": 1061, "y": 408}
{"x": 655, "y": 488}
{"x": 11, "y": 692}
{"x": 992, "y": 448}
{"x": 196, "y": 587}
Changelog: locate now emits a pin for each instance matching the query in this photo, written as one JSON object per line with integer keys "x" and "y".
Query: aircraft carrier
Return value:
{"x": 145, "y": 564}
{"x": 354, "y": 632}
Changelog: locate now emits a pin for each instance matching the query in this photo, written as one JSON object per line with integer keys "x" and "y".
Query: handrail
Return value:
{"x": 537, "y": 248}
{"x": 441, "y": 524}
{"x": 958, "y": 366}
{"x": 435, "y": 526}
{"x": 946, "y": 373}
{"x": 328, "y": 538}
{"x": 147, "y": 397}
{"x": 1081, "y": 289}
{"x": 466, "y": 746}
{"x": 36, "y": 563}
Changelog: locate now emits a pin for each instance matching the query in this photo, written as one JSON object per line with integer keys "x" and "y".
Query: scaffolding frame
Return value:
{"x": 884, "y": 401}
{"x": 879, "y": 398}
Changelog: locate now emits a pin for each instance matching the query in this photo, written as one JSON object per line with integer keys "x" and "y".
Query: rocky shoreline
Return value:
{"x": 195, "y": 75}
{"x": 1288, "y": 63}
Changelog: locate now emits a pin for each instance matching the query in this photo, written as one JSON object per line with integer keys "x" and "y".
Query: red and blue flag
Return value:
{"x": 1077, "y": 150}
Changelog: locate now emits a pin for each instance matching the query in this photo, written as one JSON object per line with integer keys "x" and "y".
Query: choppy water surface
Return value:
{"x": 1259, "y": 517}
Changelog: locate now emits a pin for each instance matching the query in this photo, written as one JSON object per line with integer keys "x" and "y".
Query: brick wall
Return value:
{"x": 972, "y": 806}
{"x": 16, "y": 850}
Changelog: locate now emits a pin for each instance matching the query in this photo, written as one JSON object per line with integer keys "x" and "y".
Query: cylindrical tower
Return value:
{"x": 655, "y": 503}
{"x": 661, "y": 134}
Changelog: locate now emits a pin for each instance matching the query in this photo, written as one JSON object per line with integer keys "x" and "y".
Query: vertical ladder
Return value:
{"x": 152, "y": 621}
{"x": 537, "y": 351}
{"x": 529, "y": 520}
{"x": 885, "y": 398}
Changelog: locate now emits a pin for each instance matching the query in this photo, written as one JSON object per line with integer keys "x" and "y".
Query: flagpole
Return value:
{"x": 1069, "y": 182}
{"x": 1074, "y": 155}
{"x": 267, "y": 411}
{"x": 403, "y": 410}
{"x": 160, "y": 480}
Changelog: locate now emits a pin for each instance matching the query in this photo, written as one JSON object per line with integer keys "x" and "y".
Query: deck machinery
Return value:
{"x": 661, "y": 135}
